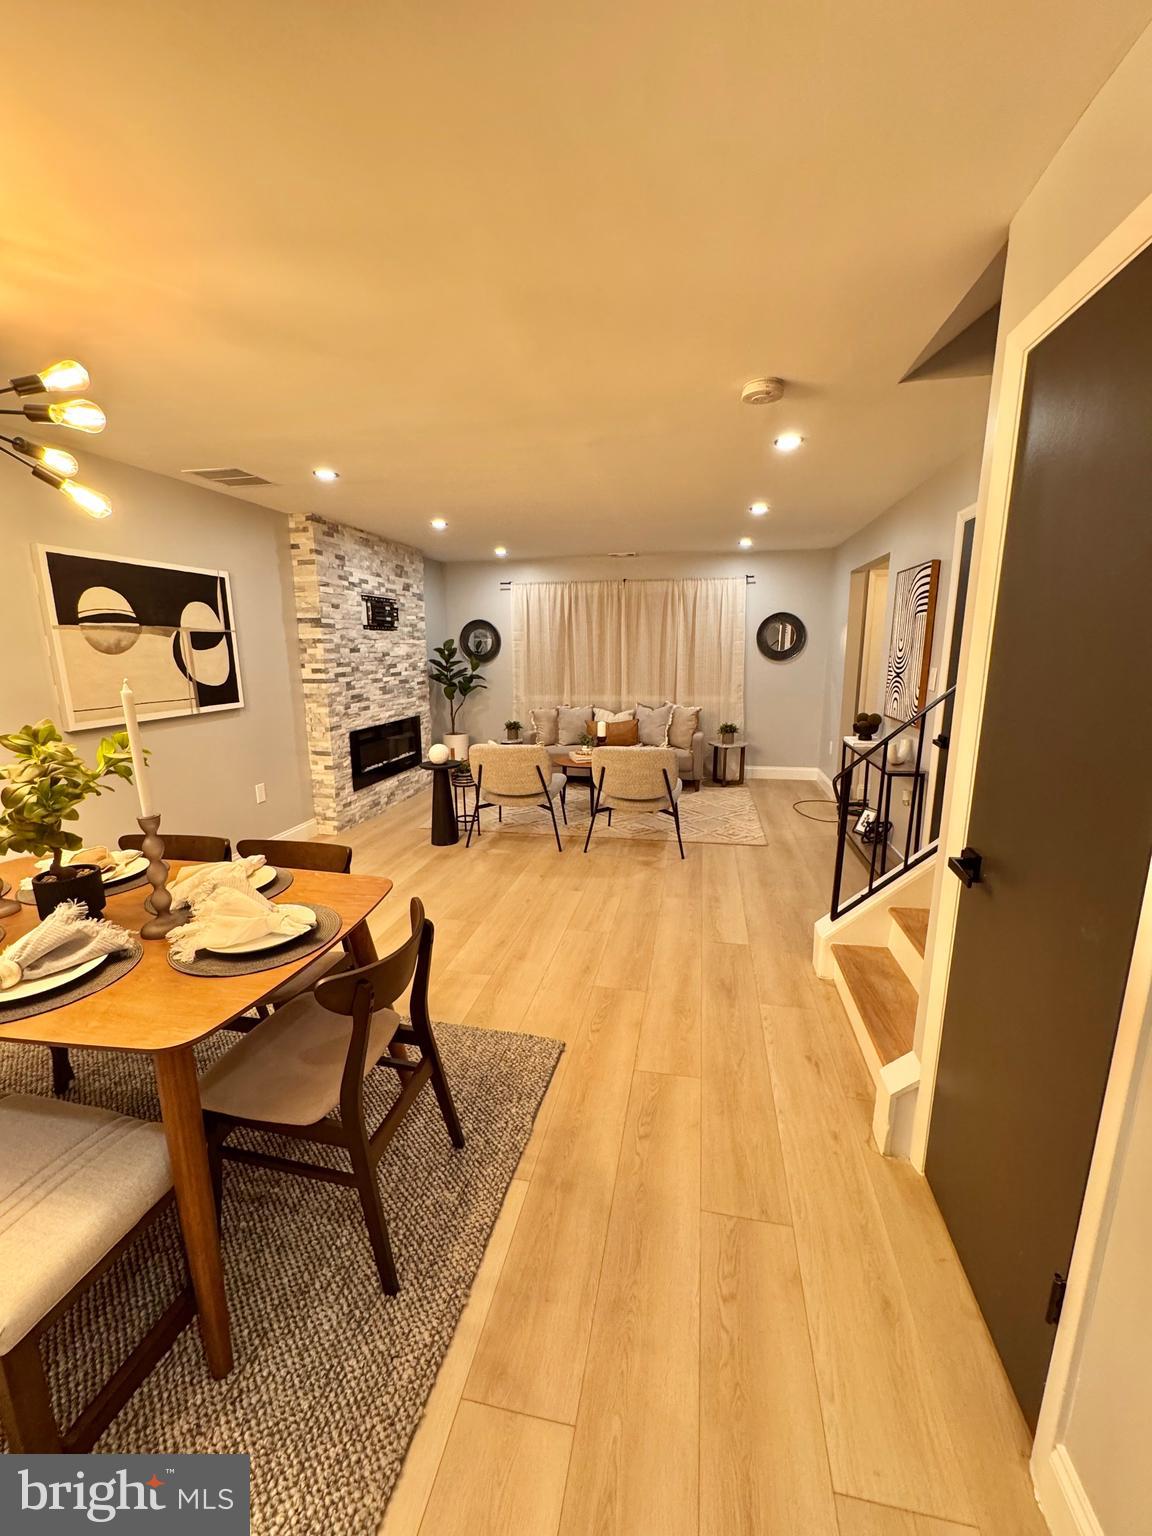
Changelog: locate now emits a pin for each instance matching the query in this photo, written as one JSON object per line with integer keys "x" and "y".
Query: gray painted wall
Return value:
{"x": 921, "y": 526}
{"x": 205, "y": 769}
{"x": 781, "y": 721}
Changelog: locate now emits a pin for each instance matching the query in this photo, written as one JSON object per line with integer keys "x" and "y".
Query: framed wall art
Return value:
{"x": 169, "y": 629}
{"x": 910, "y": 650}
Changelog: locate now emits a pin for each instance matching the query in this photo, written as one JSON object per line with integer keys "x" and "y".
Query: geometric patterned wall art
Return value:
{"x": 168, "y": 629}
{"x": 910, "y": 651}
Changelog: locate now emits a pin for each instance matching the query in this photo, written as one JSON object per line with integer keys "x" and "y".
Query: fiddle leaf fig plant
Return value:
{"x": 43, "y": 787}
{"x": 457, "y": 676}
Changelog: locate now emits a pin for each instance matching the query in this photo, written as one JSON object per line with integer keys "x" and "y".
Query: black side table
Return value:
{"x": 445, "y": 828}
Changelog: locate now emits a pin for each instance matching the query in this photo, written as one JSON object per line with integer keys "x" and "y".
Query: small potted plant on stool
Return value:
{"x": 41, "y": 791}
{"x": 728, "y": 732}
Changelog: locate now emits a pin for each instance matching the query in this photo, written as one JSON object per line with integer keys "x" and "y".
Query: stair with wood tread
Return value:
{"x": 880, "y": 996}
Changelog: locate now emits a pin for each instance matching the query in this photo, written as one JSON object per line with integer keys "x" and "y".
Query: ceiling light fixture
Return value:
{"x": 787, "y": 442}
{"x": 500, "y": 552}
{"x": 759, "y": 509}
{"x": 56, "y": 466}
{"x": 439, "y": 523}
{"x": 326, "y": 475}
{"x": 745, "y": 543}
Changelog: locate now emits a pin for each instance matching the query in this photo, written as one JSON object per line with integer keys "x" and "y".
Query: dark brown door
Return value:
{"x": 1062, "y": 819}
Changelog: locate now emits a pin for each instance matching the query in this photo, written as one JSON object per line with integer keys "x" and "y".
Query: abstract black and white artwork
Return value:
{"x": 168, "y": 629}
{"x": 910, "y": 652}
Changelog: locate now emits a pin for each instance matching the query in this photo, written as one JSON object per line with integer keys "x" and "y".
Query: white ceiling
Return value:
{"x": 511, "y": 263}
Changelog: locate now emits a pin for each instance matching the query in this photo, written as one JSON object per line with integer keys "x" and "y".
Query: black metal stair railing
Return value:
{"x": 884, "y": 863}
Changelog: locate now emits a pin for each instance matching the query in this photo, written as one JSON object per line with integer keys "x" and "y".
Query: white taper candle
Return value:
{"x": 139, "y": 766}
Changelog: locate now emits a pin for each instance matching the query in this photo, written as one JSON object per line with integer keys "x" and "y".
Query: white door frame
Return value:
{"x": 1113, "y": 253}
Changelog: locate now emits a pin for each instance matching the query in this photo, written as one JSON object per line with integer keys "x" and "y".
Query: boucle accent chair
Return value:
{"x": 300, "y": 1074}
{"x": 635, "y": 779}
{"x": 77, "y": 1186}
{"x": 516, "y": 776}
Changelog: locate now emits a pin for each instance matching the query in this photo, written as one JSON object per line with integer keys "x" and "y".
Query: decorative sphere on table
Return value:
{"x": 439, "y": 753}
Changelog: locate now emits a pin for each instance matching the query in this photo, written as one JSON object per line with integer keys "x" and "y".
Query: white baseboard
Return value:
{"x": 300, "y": 834}
{"x": 760, "y": 771}
{"x": 1062, "y": 1498}
{"x": 825, "y": 783}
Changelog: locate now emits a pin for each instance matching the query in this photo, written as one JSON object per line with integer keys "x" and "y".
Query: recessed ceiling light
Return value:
{"x": 759, "y": 509}
{"x": 327, "y": 475}
{"x": 439, "y": 523}
{"x": 745, "y": 543}
{"x": 787, "y": 442}
{"x": 500, "y": 552}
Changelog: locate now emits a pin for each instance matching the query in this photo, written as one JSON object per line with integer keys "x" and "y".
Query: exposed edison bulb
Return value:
{"x": 95, "y": 503}
{"x": 82, "y": 415}
{"x": 58, "y": 460}
{"x": 66, "y": 375}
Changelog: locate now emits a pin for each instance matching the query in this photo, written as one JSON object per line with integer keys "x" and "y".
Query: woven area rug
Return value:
{"x": 712, "y": 815}
{"x": 331, "y": 1375}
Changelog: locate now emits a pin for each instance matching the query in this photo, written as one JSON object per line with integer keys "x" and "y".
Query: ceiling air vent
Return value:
{"x": 229, "y": 477}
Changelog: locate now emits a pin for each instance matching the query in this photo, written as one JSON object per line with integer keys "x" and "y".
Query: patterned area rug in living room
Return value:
{"x": 712, "y": 815}
{"x": 331, "y": 1375}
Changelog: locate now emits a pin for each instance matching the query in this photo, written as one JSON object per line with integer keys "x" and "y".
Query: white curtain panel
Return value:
{"x": 613, "y": 643}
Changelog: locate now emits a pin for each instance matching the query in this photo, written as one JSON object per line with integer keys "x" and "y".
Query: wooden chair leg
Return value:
{"x": 430, "y": 1051}
{"x": 25, "y": 1403}
{"x": 62, "y": 1074}
{"x": 367, "y": 1188}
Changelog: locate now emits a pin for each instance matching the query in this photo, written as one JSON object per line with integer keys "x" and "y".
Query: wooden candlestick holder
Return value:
{"x": 164, "y": 919}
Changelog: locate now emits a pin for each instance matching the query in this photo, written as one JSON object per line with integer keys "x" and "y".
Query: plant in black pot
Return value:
{"x": 40, "y": 794}
{"x": 865, "y": 726}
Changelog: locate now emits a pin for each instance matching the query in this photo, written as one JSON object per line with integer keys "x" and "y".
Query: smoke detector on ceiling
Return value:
{"x": 762, "y": 391}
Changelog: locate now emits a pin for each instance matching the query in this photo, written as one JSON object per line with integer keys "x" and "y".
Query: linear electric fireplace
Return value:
{"x": 382, "y": 751}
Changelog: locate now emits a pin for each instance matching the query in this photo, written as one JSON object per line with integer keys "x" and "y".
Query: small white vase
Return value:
{"x": 458, "y": 746}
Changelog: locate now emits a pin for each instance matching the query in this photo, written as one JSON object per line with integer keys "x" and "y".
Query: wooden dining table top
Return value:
{"x": 157, "y": 1008}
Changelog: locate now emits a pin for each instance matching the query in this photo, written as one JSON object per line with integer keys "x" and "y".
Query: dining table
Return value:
{"x": 159, "y": 1012}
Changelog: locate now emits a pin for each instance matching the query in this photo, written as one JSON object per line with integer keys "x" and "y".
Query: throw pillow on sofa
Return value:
{"x": 612, "y": 719}
{"x": 653, "y": 721}
{"x": 572, "y": 724}
{"x": 618, "y": 733}
{"x": 685, "y": 724}
{"x": 546, "y": 724}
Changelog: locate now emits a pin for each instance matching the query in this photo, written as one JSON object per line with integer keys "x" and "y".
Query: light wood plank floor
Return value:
{"x": 709, "y": 1307}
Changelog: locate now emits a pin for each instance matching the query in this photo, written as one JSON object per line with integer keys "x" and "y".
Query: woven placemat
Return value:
{"x": 326, "y": 929}
{"x": 95, "y": 981}
{"x": 277, "y": 888}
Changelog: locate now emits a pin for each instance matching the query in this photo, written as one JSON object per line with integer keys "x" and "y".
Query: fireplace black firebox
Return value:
{"x": 381, "y": 751}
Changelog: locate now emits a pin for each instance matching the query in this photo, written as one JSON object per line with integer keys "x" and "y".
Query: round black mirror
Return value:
{"x": 480, "y": 641}
{"x": 781, "y": 636}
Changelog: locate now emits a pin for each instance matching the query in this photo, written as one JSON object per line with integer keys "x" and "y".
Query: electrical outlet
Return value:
{"x": 261, "y": 794}
{"x": 906, "y": 797}
{"x": 831, "y": 748}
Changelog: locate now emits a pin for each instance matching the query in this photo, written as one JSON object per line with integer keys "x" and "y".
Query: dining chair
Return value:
{"x": 516, "y": 776}
{"x": 78, "y": 1185}
{"x": 635, "y": 779}
{"x": 195, "y": 847}
{"x": 326, "y": 858}
{"x": 300, "y": 1074}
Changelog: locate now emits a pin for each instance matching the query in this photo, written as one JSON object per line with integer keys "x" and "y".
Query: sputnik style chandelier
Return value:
{"x": 55, "y": 466}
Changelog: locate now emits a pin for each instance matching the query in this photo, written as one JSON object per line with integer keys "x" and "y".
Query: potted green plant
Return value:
{"x": 728, "y": 732}
{"x": 513, "y": 727}
{"x": 41, "y": 792}
{"x": 458, "y": 677}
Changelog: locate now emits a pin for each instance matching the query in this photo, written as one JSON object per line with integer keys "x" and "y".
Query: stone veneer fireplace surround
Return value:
{"x": 353, "y": 677}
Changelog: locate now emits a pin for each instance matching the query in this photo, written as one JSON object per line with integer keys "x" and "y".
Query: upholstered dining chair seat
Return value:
{"x": 636, "y": 803}
{"x": 74, "y": 1180}
{"x": 288, "y": 1070}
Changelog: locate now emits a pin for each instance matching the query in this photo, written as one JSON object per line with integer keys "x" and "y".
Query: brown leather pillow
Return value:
{"x": 621, "y": 733}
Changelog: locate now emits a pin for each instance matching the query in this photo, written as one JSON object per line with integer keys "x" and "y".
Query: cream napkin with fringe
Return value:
{"x": 228, "y": 916}
{"x": 65, "y": 938}
{"x": 196, "y": 881}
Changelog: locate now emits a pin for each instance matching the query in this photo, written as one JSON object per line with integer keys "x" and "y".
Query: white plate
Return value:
{"x": 270, "y": 940}
{"x": 126, "y": 872}
{"x": 52, "y": 983}
{"x": 265, "y": 875}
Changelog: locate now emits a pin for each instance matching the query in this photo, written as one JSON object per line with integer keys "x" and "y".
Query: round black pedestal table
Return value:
{"x": 445, "y": 830}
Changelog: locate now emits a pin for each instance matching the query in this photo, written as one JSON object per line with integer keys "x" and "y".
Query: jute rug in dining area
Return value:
{"x": 331, "y": 1375}
{"x": 711, "y": 815}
